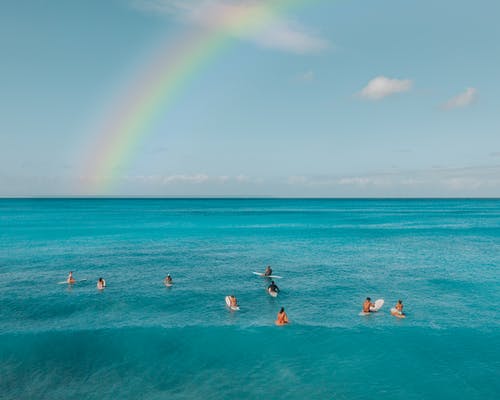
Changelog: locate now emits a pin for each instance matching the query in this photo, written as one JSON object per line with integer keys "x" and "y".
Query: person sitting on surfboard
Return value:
{"x": 399, "y": 307}
{"x": 367, "y": 305}
{"x": 233, "y": 300}
{"x": 70, "y": 279}
{"x": 273, "y": 287}
{"x": 101, "y": 284}
{"x": 168, "y": 280}
{"x": 282, "y": 318}
{"x": 268, "y": 271}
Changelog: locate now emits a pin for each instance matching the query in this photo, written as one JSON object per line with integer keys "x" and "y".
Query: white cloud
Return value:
{"x": 287, "y": 36}
{"x": 190, "y": 179}
{"x": 198, "y": 178}
{"x": 307, "y": 76}
{"x": 235, "y": 19}
{"x": 462, "y": 100}
{"x": 381, "y": 87}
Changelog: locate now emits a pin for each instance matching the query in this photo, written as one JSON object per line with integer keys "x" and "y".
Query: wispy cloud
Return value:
{"x": 461, "y": 100}
{"x": 307, "y": 76}
{"x": 381, "y": 87}
{"x": 277, "y": 32}
{"x": 189, "y": 179}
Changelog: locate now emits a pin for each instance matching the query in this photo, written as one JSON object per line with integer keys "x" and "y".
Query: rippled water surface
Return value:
{"x": 139, "y": 339}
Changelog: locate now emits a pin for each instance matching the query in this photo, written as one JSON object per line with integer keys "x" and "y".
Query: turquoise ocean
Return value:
{"x": 138, "y": 339}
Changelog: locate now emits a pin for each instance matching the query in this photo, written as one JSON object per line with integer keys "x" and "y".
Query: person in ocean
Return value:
{"x": 268, "y": 271}
{"x": 398, "y": 308}
{"x": 282, "y": 318}
{"x": 70, "y": 279}
{"x": 273, "y": 287}
{"x": 233, "y": 301}
{"x": 367, "y": 305}
{"x": 168, "y": 280}
{"x": 101, "y": 284}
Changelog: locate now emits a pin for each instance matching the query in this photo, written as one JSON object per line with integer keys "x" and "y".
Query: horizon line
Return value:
{"x": 238, "y": 197}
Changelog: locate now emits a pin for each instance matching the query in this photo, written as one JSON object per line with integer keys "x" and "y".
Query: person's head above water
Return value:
{"x": 368, "y": 299}
{"x": 400, "y": 301}
{"x": 282, "y": 309}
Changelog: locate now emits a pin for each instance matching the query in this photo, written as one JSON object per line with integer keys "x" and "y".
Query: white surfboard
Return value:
{"x": 378, "y": 305}
{"x": 267, "y": 276}
{"x": 396, "y": 313}
{"x": 228, "y": 303}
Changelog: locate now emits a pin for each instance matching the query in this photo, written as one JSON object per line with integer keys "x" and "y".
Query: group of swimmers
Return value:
{"x": 101, "y": 283}
{"x": 272, "y": 289}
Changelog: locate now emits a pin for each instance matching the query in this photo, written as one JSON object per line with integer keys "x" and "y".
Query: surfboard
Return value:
{"x": 272, "y": 293}
{"x": 267, "y": 276}
{"x": 168, "y": 284}
{"x": 396, "y": 313}
{"x": 378, "y": 305}
{"x": 228, "y": 303}
{"x": 66, "y": 282}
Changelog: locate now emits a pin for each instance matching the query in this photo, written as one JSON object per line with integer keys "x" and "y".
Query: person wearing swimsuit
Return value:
{"x": 367, "y": 305}
{"x": 101, "y": 284}
{"x": 70, "y": 279}
{"x": 398, "y": 309}
{"x": 282, "y": 318}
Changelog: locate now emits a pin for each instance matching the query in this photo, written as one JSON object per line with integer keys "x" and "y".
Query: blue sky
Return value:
{"x": 338, "y": 98}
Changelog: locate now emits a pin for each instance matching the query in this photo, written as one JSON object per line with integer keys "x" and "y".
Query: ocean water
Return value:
{"x": 138, "y": 339}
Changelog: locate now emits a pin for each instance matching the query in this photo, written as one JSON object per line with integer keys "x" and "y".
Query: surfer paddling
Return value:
{"x": 282, "y": 318}
{"x": 168, "y": 280}
{"x": 268, "y": 271}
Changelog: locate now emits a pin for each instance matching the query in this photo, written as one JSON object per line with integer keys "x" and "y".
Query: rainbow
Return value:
{"x": 160, "y": 83}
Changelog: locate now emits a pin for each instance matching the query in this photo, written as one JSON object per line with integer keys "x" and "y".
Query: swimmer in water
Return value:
{"x": 273, "y": 287}
{"x": 70, "y": 279}
{"x": 282, "y": 318}
{"x": 168, "y": 280}
{"x": 398, "y": 309}
{"x": 367, "y": 305}
{"x": 101, "y": 284}
{"x": 268, "y": 271}
{"x": 233, "y": 301}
